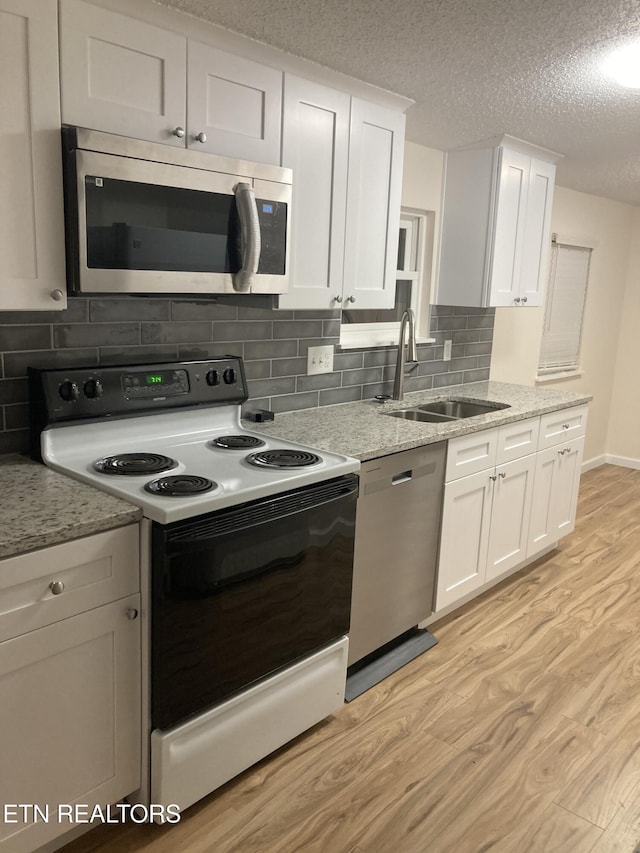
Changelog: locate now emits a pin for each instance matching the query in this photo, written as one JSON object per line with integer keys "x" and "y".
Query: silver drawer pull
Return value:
{"x": 565, "y": 426}
{"x": 132, "y": 613}
{"x": 56, "y": 587}
{"x": 493, "y": 477}
{"x": 502, "y": 475}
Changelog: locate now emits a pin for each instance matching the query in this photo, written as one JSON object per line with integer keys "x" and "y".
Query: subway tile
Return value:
{"x": 305, "y": 343}
{"x": 175, "y": 333}
{"x": 293, "y": 402}
{"x": 418, "y": 383}
{"x": 202, "y": 310}
{"x": 372, "y": 390}
{"x": 483, "y": 348}
{"x": 469, "y": 310}
{"x": 14, "y": 338}
{"x": 442, "y": 310}
{"x": 14, "y": 441}
{"x": 288, "y": 366}
{"x": 138, "y": 355}
{"x": 484, "y": 361}
{"x": 297, "y": 328}
{"x": 243, "y": 330}
{"x": 380, "y": 357}
{"x": 448, "y": 379}
{"x": 485, "y": 334}
{"x": 431, "y": 368}
{"x": 128, "y": 308}
{"x": 458, "y": 350}
{"x": 14, "y": 391}
{"x": 270, "y": 387}
{"x": 348, "y": 361}
{"x": 96, "y": 334}
{"x": 264, "y": 314}
{"x": 16, "y": 416}
{"x": 257, "y": 369}
{"x": 479, "y": 375}
{"x": 201, "y": 352}
{"x": 468, "y": 336}
{"x": 331, "y": 328}
{"x": 270, "y": 349}
{"x": 75, "y": 312}
{"x": 446, "y": 324}
{"x": 362, "y": 376}
{"x": 340, "y": 395}
{"x": 327, "y": 314}
{"x": 15, "y": 364}
{"x": 318, "y": 382}
{"x": 480, "y": 321}
{"x": 464, "y": 363}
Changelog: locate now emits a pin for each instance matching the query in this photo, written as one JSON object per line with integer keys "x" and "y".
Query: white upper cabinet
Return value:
{"x": 315, "y": 144}
{"x": 130, "y": 77}
{"x": 373, "y": 205}
{"x": 234, "y": 105}
{"x": 496, "y": 225}
{"x": 121, "y": 75}
{"x": 32, "y": 270}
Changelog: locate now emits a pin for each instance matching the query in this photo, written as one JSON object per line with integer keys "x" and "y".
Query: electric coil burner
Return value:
{"x": 130, "y": 464}
{"x": 237, "y": 442}
{"x": 180, "y": 486}
{"x": 283, "y": 458}
{"x": 247, "y": 558}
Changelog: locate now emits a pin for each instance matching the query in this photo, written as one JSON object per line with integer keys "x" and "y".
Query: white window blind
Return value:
{"x": 564, "y": 308}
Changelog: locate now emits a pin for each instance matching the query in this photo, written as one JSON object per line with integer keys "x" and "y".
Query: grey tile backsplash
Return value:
{"x": 273, "y": 343}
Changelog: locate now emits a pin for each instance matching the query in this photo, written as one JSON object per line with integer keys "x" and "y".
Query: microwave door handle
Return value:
{"x": 250, "y": 240}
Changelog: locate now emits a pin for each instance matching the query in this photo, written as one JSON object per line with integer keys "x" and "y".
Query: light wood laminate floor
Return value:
{"x": 519, "y": 732}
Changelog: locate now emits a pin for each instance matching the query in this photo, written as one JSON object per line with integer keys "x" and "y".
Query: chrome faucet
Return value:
{"x": 410, "y": 361}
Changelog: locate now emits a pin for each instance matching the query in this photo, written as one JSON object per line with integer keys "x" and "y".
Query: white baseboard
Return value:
{"x": 623, "y": 461}
{"x": 596, "y": 462}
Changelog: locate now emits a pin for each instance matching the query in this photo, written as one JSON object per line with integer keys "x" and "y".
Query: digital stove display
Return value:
{"x": 163, "y": 384}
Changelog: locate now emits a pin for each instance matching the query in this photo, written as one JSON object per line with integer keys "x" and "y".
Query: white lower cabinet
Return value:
{"x": 497, "y": 518}
{"x": 485, "y": 524}
{"x": 70, "y": 716}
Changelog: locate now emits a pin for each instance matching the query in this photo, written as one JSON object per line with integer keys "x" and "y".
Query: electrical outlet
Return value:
{"x": 319, "y": 360}
{"x": 447, "y": 350}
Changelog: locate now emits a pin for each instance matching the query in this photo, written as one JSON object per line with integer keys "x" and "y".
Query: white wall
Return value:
{"x": 623, "y": 438}
{"x": 518, "y": 330}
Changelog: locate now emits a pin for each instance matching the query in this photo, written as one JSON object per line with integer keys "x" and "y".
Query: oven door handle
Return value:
{"x": 250, "y": 237}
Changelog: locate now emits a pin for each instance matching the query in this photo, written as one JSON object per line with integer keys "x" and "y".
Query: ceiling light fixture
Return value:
{"x": 623, "y": 65}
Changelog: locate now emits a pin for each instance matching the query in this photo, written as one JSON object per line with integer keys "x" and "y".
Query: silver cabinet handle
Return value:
{"x": 493, "y": 477}
{"x": 524, "y": 298}
{"x": 56, "y": 587}
{"x": 250, "y": 239}
{"x": 565, "y": 426}
{"x": 517, "y": 300}
{"x": 337, "y": 299}
{"x": 57, "y": 295}
{"x": 200, "y": 137}
{"x": 178, "y": 131}
{"x": 351, "y": 299}
{"x": 502, "y": 475}
{"x": 132, "y": 613}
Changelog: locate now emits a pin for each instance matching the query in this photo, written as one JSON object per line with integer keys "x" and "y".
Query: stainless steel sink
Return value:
{"x": 441, "y": 411}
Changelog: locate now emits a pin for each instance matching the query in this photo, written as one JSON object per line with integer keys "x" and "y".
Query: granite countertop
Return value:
{"x": 41, "y": 507}
{"x": 362, "y": 430}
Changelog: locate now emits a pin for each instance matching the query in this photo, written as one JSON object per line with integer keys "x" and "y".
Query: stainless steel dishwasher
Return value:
{"x": 397, "y": 529}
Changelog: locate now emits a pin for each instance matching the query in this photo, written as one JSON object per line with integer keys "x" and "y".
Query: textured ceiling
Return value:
{"x": 476, "y": 69}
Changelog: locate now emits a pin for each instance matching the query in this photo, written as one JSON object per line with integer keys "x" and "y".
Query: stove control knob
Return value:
{"x": 93, "y": 389}
{"x": 229, "y": 376}
{"x": 213, "y": 377}
{"x": 69, "y": 392}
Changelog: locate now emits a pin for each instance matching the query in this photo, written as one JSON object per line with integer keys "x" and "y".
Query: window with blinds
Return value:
{"x": 564, "y": 308}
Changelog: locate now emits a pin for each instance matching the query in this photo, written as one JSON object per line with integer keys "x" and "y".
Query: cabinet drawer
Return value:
{"x": 563, "y": 425}
{"x": 471, "y": 453}
{"x": 89, "y": 572}
{"x": 517, "y": 440}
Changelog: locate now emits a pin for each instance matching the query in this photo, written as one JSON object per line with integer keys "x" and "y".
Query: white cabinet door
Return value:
{"x": 509, "y": 235}
{"x": 233, "y": 104}
{"x": 464, "y": 537}
{"x": 121, "y": 75}
{"x": 70, "y": 720}
{"x": 315, "y": 144}
{"x": 555, "y": 494}
{"x": 373, "y": 205}
{"x": 536, "y": 245}
{"x": 32, "y": 270}
{"x": 510, "y": 513}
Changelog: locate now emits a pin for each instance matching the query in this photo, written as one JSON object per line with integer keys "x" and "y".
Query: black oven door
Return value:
{"x": 241, "y": 593}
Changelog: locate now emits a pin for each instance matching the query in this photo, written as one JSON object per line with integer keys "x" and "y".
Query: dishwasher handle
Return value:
{"x": 403, "y": 477}
{"x": 385, "y": 480}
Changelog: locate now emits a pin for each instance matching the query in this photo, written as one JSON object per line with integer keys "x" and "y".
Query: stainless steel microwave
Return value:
{"x": 146, "y": 218}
